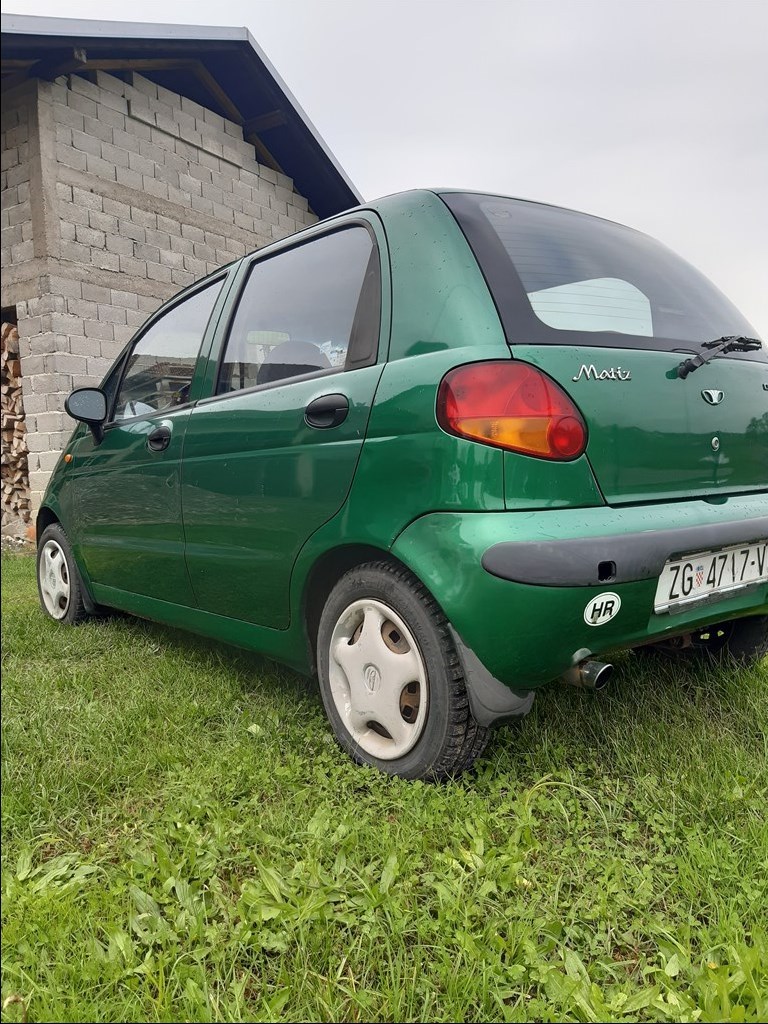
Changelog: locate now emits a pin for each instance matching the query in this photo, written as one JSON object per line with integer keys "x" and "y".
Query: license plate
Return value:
{"x": 709, "y": 574}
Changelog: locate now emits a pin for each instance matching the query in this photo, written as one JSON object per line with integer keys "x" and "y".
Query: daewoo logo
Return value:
{"x": 372, "y": 678}
{"x": 591, "y": 373}
{"x": 713, "y": 397}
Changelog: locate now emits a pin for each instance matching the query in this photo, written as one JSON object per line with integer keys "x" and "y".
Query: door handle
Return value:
{"x": 159, "y": 439}
{"x": 327, "y": 411}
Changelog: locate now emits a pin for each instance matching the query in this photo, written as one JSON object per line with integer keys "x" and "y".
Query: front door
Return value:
{"x": 128, "y": 527}
{"x": 270, "y": 455}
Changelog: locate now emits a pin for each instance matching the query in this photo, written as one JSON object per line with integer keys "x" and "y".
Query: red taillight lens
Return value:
{"x": 511, "y": 405}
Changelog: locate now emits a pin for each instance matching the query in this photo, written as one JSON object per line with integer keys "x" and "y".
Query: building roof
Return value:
{"x": 223, "y": 69}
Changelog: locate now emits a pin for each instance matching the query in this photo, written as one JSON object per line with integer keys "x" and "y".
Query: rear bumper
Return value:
{"x": 515, "y": 585}
{"x": 593, "y": 561}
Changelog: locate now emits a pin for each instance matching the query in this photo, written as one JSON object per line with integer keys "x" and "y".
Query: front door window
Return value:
{"x": 161, "y": 366}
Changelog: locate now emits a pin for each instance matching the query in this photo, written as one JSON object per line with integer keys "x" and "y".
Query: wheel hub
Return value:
{"x": 378, "y": 679}
{"x": 54, "y": 579}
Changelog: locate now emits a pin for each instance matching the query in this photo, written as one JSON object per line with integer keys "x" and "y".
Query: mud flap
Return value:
{"x": 490, "y": 700}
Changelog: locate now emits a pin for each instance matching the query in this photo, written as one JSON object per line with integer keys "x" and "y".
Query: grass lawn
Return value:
{"x": 183, "y": 841}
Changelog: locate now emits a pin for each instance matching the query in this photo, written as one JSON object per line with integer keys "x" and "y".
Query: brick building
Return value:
{"x": 135, "y": 159}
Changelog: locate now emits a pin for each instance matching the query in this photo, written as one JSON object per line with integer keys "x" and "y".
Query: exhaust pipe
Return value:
{"x": 588, "y": 675}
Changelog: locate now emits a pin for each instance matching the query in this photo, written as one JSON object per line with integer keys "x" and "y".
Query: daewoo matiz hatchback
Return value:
{"x": 440, "y": 450}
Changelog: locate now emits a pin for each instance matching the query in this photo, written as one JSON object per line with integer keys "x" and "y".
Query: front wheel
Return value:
{"x": 58, "y": 581}
{"x": 391, "y": 679}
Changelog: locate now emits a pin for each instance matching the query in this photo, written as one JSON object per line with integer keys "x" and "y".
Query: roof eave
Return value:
{"x": 345, "y": 193}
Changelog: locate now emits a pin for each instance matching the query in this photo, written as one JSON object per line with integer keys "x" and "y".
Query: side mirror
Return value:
{"x": 89, "y": 405}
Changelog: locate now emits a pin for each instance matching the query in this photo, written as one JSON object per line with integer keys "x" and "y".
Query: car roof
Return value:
{"x": 392, "y": 204}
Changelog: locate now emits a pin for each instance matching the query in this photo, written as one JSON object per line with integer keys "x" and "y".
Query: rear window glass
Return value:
{"x": 563, "y": 277}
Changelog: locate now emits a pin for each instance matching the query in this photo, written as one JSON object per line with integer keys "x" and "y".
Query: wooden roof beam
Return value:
{"x": 263, "y": 123}
{"x": 75, "y": 60}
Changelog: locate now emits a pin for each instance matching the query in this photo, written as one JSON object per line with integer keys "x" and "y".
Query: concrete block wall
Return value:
{"x": 141, "y": 192}
{"x": 15, "y": 204}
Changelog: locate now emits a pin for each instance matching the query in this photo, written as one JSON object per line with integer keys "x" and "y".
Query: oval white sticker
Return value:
{"x": 602, "y": 609}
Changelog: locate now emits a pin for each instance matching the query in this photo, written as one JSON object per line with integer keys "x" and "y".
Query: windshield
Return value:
{"x": 561, "y": 277}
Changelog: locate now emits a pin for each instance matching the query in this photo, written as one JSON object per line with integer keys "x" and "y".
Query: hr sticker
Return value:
{"x": 602, "y": 609}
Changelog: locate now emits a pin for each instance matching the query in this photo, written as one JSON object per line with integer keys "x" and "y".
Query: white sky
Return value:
{"x": 650, "y": 112}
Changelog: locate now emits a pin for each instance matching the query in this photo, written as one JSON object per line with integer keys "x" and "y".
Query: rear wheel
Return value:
{"x": 744, "y": 641}
{"x": 391, "y": 679}
{"x": 58, "y": 581}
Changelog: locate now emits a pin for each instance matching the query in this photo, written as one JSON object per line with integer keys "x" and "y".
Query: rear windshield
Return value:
{"x": 561, "y": 277}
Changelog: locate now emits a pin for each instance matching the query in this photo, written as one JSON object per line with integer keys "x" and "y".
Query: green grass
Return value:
{"x": 182, "y": 841}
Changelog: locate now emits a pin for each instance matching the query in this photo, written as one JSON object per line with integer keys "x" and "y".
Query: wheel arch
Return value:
{"x": 48, "y": 516}
{"x": 491, "y": 701}
{"x": 45, "y": 517}
{"x": 325, "y": 573}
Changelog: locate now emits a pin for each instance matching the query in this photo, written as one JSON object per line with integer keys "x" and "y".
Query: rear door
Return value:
{"x": 610, "y": 314}
{"x": 270, "y": 455}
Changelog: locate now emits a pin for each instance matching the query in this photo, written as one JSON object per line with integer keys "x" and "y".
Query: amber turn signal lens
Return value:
{"x": 68, "y": 457}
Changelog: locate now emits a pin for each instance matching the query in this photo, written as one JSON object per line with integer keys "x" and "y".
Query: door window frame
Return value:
{"x": 121, "y": 363}
{"x": 239, "y": 283}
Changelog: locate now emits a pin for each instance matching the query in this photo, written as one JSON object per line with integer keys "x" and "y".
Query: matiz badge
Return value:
{"x": 602, "y": 609}
{"x": 592, "y": 373}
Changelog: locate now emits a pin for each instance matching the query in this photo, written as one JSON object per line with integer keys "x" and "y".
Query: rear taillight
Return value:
{"x": 511, "y": 405}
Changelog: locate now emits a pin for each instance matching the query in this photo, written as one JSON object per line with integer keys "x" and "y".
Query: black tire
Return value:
{"x": 74, "y": 611}
{"x": 450, "y": 739}
{"x": 741, "y": 641}
{"x": 744, "y": 641}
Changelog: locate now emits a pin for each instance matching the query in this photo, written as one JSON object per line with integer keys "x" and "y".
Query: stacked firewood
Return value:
{"x": 15, "y": 472}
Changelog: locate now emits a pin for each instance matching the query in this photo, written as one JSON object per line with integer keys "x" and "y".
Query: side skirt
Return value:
{"x": 284, "y": 645}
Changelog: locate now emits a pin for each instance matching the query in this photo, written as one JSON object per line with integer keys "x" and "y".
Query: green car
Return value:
{"x": 439, "y": 450}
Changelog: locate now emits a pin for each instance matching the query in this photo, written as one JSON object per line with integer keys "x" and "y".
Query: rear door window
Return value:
{"x": 307, "y": 310}
{"x": 562, "y": 277}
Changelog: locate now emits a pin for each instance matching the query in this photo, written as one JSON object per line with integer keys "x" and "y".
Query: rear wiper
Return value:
{"x": 718, "y": 347}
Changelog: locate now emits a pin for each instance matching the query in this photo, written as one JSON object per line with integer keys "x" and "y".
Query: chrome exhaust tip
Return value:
{"x": 588, "y": 675}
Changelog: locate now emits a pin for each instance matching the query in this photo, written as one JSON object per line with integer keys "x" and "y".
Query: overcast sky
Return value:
{"x": 650, "y": 112}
